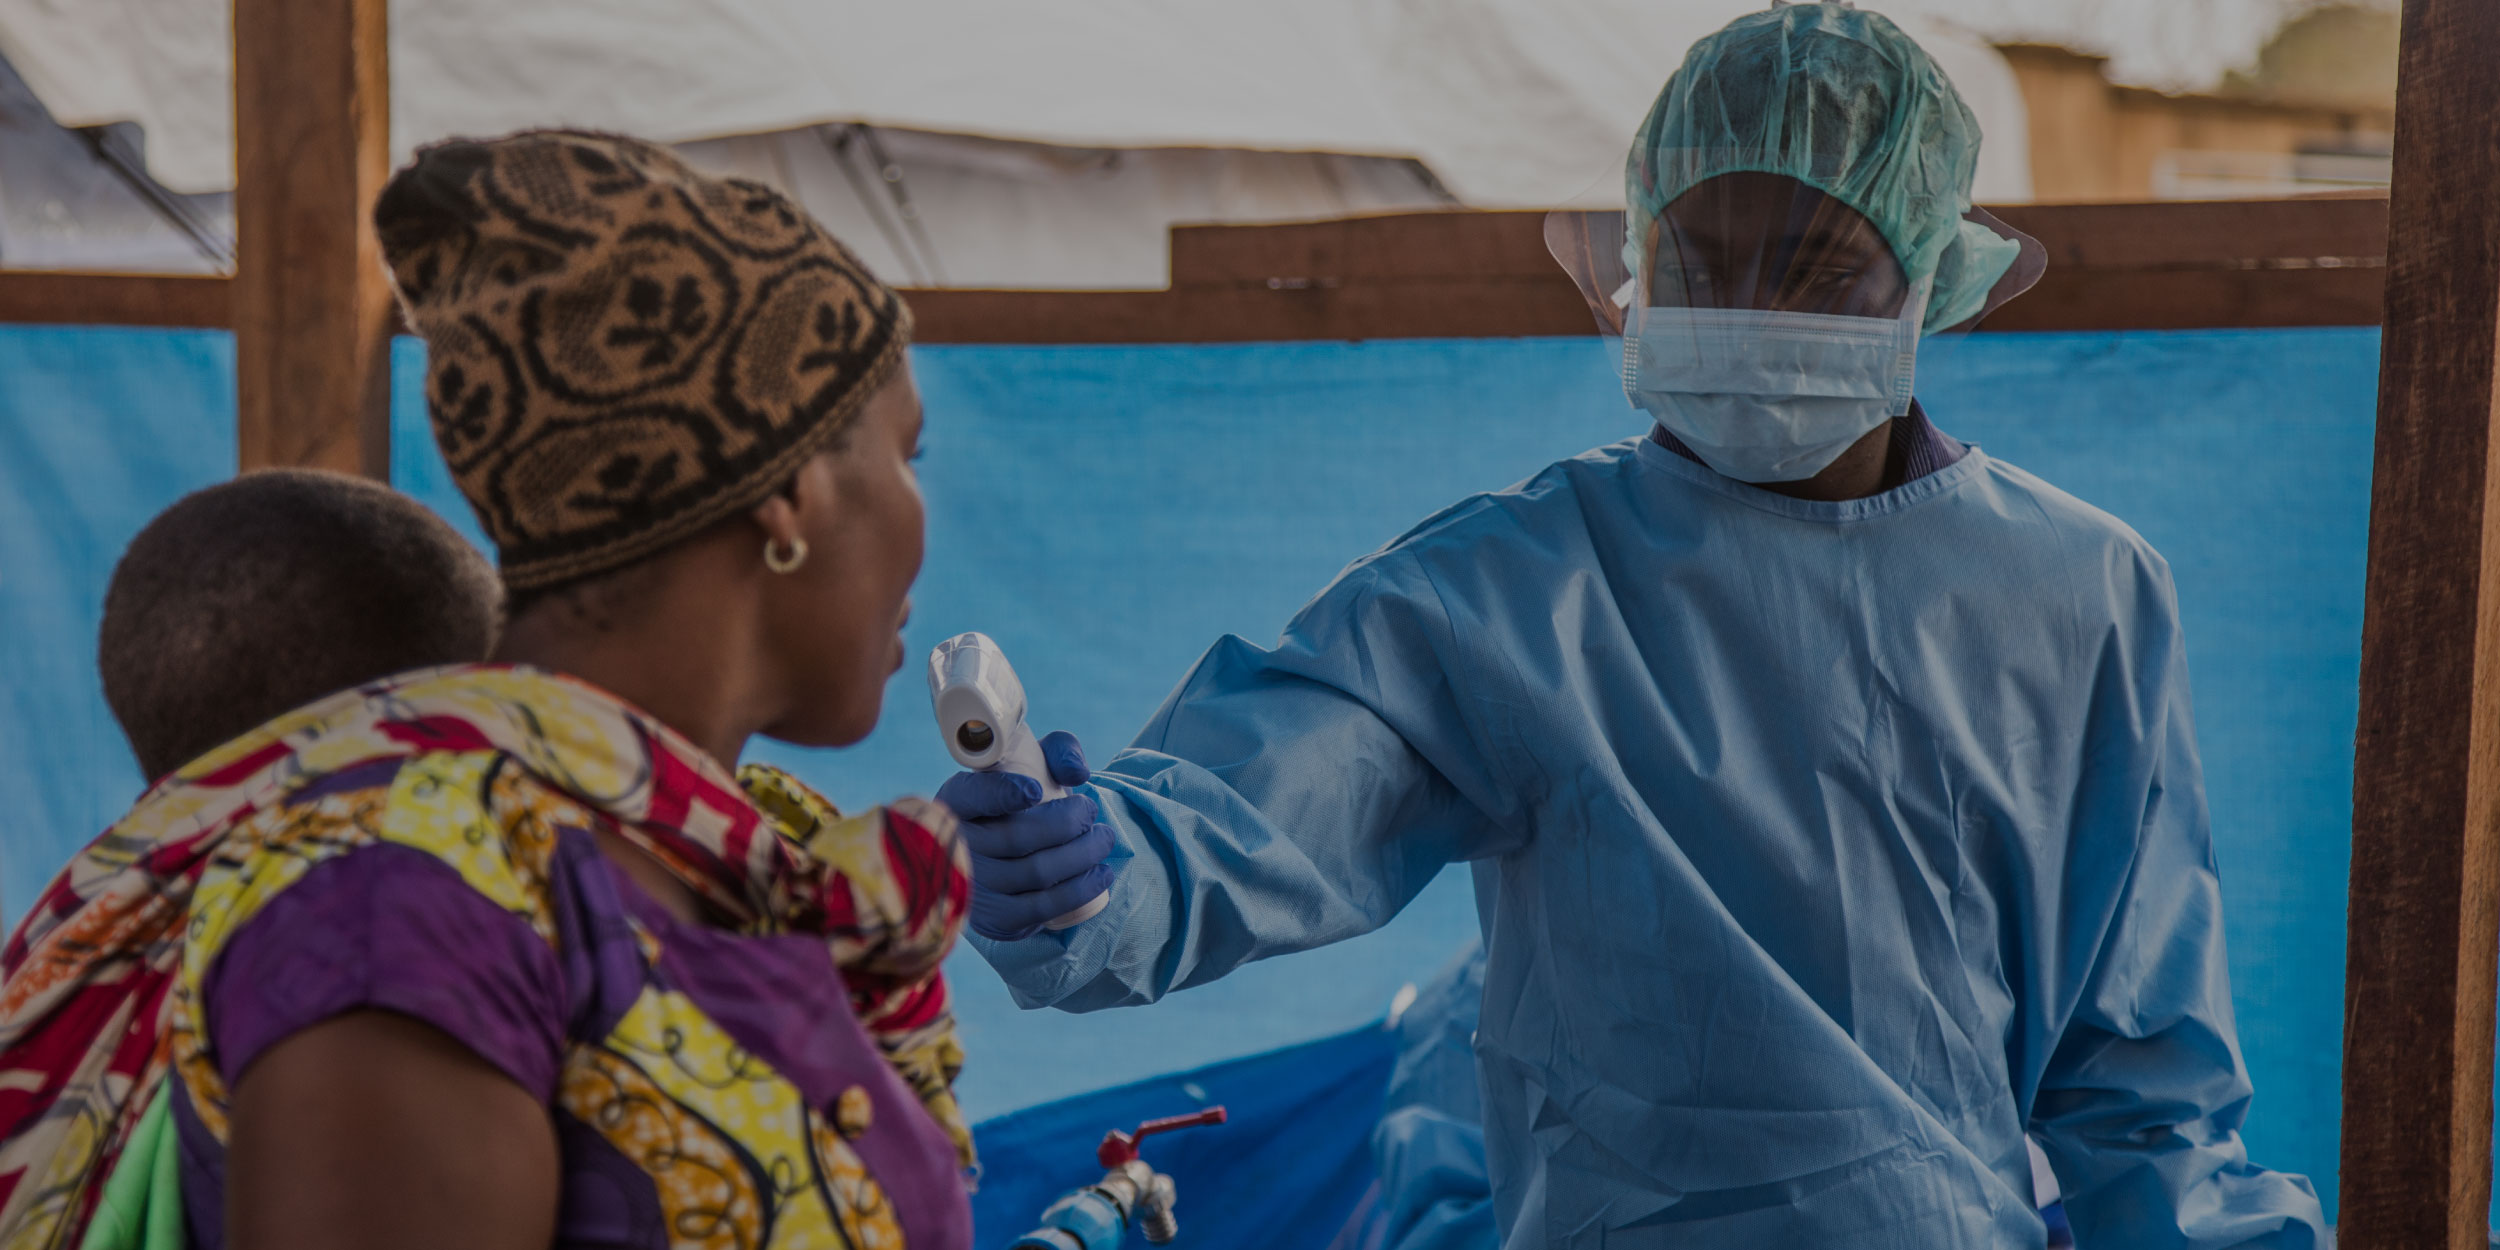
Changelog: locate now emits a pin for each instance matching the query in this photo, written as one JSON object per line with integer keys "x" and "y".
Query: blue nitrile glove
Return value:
{"x": 1032, "y": 862}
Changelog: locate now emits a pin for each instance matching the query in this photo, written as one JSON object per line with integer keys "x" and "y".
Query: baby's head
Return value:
{"x": 264, "y": 593}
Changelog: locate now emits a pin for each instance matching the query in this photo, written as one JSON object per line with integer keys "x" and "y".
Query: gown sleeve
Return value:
{"x": 1283, "y": 799}
{"x": 2141, "y": 1100}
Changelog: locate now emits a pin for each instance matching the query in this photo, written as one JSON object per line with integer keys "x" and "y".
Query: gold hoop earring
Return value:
{"x": 778, "y": 562}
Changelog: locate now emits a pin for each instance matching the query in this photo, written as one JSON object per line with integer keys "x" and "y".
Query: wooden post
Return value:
{"x": 312, "y": 308}
{"x": 2420, "y": 960}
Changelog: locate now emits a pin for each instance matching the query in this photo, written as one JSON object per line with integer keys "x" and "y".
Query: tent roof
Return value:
{"x": 1479, "y": 90}
{"x": 1279, "y": 74}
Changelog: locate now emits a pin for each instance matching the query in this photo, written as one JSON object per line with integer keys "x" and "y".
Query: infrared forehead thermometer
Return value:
{"x": 980, "y": 714}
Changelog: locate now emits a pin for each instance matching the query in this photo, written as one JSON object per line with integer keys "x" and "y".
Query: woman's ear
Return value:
{"x": 778, "y": 518}
{"x": 805, "y": 500}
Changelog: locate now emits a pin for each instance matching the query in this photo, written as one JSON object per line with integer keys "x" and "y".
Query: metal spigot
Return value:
{"x": 1118, "y": 1147}
{"x": 1093, "y": 1218}
{"x": 1154, "y": 1211}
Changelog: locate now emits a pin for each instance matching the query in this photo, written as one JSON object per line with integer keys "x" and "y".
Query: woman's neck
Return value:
{"x": 685, "y": 677}
{"x": 663, "y": 638}
{"x": 676, "y": 636}
{"x": 691, "y": 689}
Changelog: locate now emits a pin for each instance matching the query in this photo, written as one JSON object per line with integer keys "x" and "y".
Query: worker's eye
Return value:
{"x": 1672, "y": 281}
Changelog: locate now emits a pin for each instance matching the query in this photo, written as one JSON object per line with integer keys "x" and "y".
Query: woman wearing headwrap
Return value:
{"x": 508, "y": 955}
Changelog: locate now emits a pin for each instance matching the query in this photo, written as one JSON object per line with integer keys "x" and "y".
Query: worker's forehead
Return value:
{"x": 1740, "y": 210}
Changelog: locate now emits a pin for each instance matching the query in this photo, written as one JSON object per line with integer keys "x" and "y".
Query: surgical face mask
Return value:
{"x": 1771, "y": 396}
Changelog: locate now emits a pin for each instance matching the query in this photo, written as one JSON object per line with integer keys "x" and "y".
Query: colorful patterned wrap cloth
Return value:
{"x": 99, "y": 1001}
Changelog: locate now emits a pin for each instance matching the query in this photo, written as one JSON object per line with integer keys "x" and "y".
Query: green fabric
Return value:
{"x": 141, "y": 1208}
{"x": 1844, "y": 102}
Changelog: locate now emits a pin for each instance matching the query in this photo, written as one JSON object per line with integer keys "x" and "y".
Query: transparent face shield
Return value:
{"x": 2030, "y": 262}
{"x": 1771, "y": 326}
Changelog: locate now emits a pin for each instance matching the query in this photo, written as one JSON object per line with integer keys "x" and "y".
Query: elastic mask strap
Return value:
{"x": 1911, "y": 327}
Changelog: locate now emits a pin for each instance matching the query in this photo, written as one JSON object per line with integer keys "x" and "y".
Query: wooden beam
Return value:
{"x": 312, "y": 309}
{"x": 2152, "y": 299}
{"x": 1450, "y": 246}
{"x": 2311, "y": 261}
{"x": 2309, "y": 232}
{"x": 2236, "y": 264}
{"x": 2420, "y": 957}
{"x": 2230, "y": 264}
{"x": 1254, "y": 312}
{"x": 68, "y": 297}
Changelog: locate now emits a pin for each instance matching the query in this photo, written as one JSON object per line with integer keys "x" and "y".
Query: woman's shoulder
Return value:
{"x": 422, "y": 884}
{"x": 894, "y": 879}
{"x": 490, "y": 822}
{"x": 916, "y": 828}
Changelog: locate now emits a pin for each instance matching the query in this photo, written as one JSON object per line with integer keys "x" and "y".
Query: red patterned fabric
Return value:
{"x": 85, "y": 979}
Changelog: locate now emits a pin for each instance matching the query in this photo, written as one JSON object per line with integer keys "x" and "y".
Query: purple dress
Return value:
{"x": 687, "y": 1069}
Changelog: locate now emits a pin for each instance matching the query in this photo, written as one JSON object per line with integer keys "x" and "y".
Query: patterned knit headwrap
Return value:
{"x": 620, "y": 350}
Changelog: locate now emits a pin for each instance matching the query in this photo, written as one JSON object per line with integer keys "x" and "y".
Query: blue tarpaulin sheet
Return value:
{"x": 1107, "y": 512}
{"x": 1289, "y": 1167}
{"x": 99, "y": 429}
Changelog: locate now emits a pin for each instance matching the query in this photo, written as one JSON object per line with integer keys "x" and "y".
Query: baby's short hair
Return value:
{"x": 264, "y": 593}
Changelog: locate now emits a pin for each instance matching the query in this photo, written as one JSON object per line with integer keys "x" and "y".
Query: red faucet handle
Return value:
{"x": 1118, "y": 1148}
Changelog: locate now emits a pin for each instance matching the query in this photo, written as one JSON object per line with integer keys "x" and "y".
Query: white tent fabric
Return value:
{"x": 1278, "y": 75}
{"x": 1516, "y": 104}
{"x": 997, "y": 213}
{"x": 71, "y": 200}
{"x": 1504, "y": 100}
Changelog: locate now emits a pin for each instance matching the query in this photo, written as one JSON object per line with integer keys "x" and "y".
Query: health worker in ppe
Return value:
{"x": 1830, "y": 786}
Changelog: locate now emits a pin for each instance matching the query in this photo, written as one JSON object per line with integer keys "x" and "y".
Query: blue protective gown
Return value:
{"x": 1821, "y": 848}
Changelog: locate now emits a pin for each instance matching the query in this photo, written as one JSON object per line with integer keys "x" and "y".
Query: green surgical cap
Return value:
{"x": 1844, "y": 102}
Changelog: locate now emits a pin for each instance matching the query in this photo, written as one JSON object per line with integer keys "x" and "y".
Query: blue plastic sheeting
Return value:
{"x": 1288, "y": 1167}
{"x": 1108, "y": 512}
{"x": 99, "y": 429}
